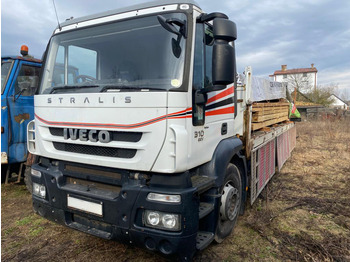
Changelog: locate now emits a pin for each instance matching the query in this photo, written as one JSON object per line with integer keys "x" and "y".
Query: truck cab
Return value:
{"x": 147, "y": 142}
{"x": 19, "y": 83}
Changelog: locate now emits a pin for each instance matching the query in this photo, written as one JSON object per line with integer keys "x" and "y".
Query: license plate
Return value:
{"x": 85, "y": 206}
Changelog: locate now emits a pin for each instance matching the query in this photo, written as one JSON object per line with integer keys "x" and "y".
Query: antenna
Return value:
{"x": 58, "y": 22}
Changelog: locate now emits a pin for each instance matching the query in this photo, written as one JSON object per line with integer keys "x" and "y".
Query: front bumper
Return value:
{"x": 123, "y": 200}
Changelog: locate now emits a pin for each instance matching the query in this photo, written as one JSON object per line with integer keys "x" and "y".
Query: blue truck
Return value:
{"x": 19, "y": 83}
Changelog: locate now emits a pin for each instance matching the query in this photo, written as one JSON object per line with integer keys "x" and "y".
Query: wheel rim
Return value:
{"x": 229, "y": 202}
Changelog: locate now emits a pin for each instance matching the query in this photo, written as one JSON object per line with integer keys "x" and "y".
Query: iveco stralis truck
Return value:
{"x": 148, "y": 145}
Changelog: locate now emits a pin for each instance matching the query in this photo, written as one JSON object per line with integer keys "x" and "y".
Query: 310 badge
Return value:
{"x": 199, "y": 135}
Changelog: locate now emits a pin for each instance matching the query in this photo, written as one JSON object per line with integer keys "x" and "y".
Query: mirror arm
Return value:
{"x": 168, "y": 24}
{"x": 16, "y": 96}
{"x": 181, "y": 24}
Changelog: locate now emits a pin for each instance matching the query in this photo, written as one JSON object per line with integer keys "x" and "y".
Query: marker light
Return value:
{"x": 35, "y": 172}
{"x": 164, "y": 198}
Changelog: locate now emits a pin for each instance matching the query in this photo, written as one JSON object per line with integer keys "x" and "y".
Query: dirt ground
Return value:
{"x": 304, "y": 215}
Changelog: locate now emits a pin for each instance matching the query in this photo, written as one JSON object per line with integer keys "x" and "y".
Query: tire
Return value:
{"x": 28, "y": 179}
{"x": 230, "y": 203}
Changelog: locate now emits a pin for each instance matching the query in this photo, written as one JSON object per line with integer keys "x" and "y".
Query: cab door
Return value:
{"x": 8, "y": 68}
{"x": 21, "y": 108}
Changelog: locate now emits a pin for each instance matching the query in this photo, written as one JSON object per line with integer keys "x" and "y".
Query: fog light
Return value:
{"x": 35, "y": 172}
{"x": 162, "y": 220}
{"x": 39, "y": 190}
{"x": 164, "y": 198}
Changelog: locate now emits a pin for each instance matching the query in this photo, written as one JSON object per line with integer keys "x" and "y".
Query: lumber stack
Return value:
{"x": 266, "y": 114}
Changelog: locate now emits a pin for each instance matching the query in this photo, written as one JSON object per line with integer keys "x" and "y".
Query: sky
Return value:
{"x": 270, "y": 32}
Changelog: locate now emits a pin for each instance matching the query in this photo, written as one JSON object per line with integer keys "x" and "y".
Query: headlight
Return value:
{"x": 162, "y": 220}
{"x": 39, "y": 190}
{"x": 169, "y": 221}
{"x": 153, "y": 218}
{"x": 35, "y": 172}
{"x": 164, "y": 198}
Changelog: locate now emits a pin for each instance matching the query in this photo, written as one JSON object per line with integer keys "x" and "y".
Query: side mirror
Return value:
{"x": 224, "y": 59}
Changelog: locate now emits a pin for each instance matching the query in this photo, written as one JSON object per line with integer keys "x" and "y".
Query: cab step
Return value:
{"x": 202, "y": 183}
{"x": 204, "y": 239}
{"x": 205, "y": 209}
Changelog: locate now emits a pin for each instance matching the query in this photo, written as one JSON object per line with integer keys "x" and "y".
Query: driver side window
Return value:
{"x": 27, "y": 80}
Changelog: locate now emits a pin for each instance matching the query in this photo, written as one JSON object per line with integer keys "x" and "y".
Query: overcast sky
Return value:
{"x": 270, "y": 32}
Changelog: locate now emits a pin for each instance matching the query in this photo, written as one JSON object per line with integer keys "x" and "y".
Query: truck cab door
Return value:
{"x": 21, "y": 108}
{"x": 8, "y": 68}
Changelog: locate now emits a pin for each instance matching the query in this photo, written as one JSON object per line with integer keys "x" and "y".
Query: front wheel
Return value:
{"x": 230, "y": 204}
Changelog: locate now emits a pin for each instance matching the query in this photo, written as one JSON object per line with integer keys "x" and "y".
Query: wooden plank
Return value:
{"x": 276, "y": 104}
{"x": 256, "y": 126}
{"x": 269, "y": 111}
{"x": 258, "y": 109}
{"x": 261, "y": 118}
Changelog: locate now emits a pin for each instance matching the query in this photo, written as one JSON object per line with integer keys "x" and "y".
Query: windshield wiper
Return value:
{"x": 55, "y": 88}
{"x": 129, "y": 88}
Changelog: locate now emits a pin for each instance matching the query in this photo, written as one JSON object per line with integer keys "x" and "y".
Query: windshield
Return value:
{"x": 132, "y": 54}
{"x": 5, "y": 70}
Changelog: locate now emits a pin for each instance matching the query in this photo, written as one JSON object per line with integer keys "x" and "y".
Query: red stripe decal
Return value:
{"x": 224, "y": 93}
{"x": 120, "y": 126}
{"x": 222, "y": 111}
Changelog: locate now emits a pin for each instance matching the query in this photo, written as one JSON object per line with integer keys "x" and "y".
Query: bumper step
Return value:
{"x": 205, "y": 209}
{"x": 202, "y": 183}
{"x": 91, "y": 231}
{"x": 204, "y": 239}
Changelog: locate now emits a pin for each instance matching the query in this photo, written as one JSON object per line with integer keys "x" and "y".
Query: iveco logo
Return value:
{"x": 84, "y": 135}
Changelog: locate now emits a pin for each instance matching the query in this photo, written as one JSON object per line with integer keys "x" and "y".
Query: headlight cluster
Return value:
{"x": 39, "y": 190}
{"x": 162, "y": 220}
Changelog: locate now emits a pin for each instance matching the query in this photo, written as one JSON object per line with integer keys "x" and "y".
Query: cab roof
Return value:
{"x": 127, "y": 9}
{"x": 30, "y": 59}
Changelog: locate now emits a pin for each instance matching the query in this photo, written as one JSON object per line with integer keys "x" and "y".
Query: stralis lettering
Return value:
{"x": 84, "y": 135}
{"x": 86, "y": 100}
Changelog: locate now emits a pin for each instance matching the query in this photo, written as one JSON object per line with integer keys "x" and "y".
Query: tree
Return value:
{"x": 322, "y": 95}
{"x": 299, "y": 82}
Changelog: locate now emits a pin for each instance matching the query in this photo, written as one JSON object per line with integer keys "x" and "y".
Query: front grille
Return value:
{"x": 115, "y": 135}
{"x": 95, "y": 150}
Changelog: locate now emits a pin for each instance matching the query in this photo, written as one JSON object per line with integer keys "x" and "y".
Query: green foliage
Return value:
{"x": 321, "y": 95}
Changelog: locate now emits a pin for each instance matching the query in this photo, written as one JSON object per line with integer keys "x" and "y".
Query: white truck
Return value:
{"x": 150, "y": 143}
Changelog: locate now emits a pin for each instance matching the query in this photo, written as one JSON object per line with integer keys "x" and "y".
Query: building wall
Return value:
{"x": 309, "y": 81}
{"x": 337, "y": 103}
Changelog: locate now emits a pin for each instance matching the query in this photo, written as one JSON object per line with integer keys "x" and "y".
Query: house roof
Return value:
{"x": 339, "y": 99}
{"x": 296, "y": 71}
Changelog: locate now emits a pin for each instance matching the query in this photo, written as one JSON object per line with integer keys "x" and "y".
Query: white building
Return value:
{"x": 303, "y": 79}
{"x": 338, "y": 103}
